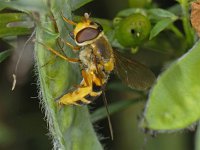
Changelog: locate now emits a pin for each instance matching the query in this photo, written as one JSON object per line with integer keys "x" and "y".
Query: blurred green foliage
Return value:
{"x": 12, "y": 24}
{"x": 4, "y": 55}
{"x": 174, "y": 101}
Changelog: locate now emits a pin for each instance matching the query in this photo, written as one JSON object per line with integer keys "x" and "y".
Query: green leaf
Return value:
{"x": 4, "y": 55}
{"x": 158, "y": 14}
{"x": 160, "y": 26}
{"x": 130, "y": 11}
{"x": 14, "y": 24}
{"x": 113, "y": 108}
{"x": 75, "y": 4}
{"x": 25, "y": 5}
{"x": 175, "y": 9}
{"x": 174, "y": 101}
{"x": 155, "y": 13}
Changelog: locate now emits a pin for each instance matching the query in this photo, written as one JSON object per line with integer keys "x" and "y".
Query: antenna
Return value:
{"x": 87, "y": 16}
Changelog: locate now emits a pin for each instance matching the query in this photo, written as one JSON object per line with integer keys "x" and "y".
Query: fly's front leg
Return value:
{"x": 75, "y": 48}
{"x": 66, "y": 58}
{"x": 67, "y": 20}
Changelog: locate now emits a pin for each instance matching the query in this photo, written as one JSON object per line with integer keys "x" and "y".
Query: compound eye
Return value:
{"x": 87, "y": 34}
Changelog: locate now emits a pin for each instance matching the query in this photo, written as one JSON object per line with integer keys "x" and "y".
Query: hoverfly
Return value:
{"x": 97, "y": 60}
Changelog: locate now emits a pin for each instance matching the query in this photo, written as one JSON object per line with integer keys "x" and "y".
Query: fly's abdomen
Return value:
{"x": 96, "y": 92}
{"x": 89, "y": 89}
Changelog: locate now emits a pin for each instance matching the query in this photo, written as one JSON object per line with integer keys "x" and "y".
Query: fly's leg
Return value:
{"x": 84, "y": 100}
{"x": 66, "y": 58}
{"x": 90, "y": 81}
{"x": 73, "y": 98}
{"x": 80, "y": 93}
{"x": 86, "y": 77}
{"x": 85, "y": 81}
{"x": 67, "y": 43}
{"x": 75, "y": 48}
{"x": 94, "y": 94}
{"x": 67, "y": 20}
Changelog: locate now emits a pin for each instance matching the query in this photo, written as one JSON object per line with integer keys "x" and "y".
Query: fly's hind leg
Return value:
{"x": 76, "y": 96}
{"x": 85, "y": 100}
{"x": 80, "y": 93}
{"x": 95, "y": 94}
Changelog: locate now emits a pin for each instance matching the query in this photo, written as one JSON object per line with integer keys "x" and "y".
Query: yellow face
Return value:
{"x": 87, "y": 31}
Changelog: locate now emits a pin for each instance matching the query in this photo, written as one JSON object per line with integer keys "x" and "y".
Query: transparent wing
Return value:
{"x": 132, "y": 73}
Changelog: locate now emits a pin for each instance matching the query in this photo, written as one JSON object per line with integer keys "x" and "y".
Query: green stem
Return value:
{"x": 186, "y": 22}
{"x": 70, "y": 126}
{"x": 177, "y": 31}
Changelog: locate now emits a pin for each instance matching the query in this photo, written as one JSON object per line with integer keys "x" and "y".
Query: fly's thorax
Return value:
{"x": 104, "y": 52}
{"x": 102, "y": 48}
{"x": 87, "y": 58}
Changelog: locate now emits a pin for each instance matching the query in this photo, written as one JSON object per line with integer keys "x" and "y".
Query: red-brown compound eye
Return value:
{"x": 87, "y": 34}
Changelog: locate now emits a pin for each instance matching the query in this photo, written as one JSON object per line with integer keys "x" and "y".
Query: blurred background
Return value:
{"x": 22, "y": 124}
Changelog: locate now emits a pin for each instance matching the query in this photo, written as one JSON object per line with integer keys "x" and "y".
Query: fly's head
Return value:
{"x": 87, "y": 31}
